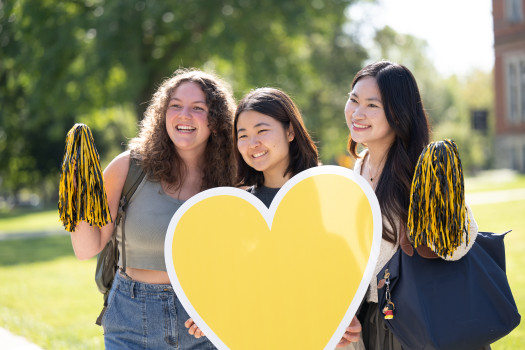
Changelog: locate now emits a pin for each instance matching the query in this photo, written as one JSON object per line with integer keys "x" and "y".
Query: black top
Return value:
{"x": 265, "y": 194}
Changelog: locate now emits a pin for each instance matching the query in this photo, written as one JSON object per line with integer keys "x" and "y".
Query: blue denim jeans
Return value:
{"x": 147, "y": 316}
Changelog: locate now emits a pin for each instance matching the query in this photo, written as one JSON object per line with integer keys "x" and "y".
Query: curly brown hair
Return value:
{"x": 154, "y": 148}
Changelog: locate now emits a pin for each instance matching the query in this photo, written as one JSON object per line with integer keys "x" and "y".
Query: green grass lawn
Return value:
{"x": 50, "y": 297}
{"x": 501, "y": 217}
{"x": 47, "y": 295}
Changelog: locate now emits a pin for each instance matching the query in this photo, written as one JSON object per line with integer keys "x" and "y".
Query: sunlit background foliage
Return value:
{"x": 98, "y": 62}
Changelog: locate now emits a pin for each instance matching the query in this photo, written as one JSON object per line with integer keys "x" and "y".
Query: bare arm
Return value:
{"x": 88, "y": 240}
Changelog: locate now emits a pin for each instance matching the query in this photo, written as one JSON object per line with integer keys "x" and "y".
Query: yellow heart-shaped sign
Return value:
{"x": 286, "y": 277}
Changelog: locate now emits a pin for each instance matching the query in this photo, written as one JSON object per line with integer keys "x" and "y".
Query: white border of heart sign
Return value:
{"x": 268, "y": 214}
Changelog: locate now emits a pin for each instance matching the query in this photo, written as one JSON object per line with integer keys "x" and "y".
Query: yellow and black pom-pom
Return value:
{"x": 436, "y": 217}
{"x": 82, "y": 196}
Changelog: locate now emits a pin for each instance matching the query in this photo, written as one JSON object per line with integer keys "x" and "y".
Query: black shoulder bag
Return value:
{"x": 107, "y": 259}
{"x": 430, "y": 303}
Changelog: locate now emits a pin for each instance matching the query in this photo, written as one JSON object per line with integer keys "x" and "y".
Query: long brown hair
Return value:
{"x": 406, "y": 115}
{"x": 279, "y": 106}
{"x": 155, "y": 149}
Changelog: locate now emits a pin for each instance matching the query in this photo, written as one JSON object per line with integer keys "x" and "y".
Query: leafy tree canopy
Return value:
{"x": 98, "y": 62}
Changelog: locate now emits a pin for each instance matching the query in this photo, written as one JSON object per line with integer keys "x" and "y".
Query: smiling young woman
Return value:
{"x": 184, "y": 146}
{"x": 272, "y": 141}
{"x": 368, "y": 124}
{"x": 187, "y": 120}
{"x": 272, "y": 146}
{"x": 264, "y": 145}
{"x": 385, "y": 115}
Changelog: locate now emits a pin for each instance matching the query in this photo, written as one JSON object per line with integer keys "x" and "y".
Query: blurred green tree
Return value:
{"x": 98, "y": 62}
{"x": 473, "y": 92}
{"x": 412, "y": 53}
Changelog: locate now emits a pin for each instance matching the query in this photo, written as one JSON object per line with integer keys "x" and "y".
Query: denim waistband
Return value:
{"x": 136, "y": 286}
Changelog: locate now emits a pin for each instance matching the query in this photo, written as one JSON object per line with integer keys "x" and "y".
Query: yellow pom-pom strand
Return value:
{"x": 82, "y": 195}
{"x": 436, "y": 216}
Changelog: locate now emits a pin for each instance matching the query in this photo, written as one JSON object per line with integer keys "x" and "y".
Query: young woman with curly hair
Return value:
{"x": 184, "y": 146}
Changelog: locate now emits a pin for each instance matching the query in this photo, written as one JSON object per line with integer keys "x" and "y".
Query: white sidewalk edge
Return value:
{"x": 11, "y": 341}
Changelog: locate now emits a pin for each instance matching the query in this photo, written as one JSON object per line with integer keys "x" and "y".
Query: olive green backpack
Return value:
{"x": 107, "y": 259}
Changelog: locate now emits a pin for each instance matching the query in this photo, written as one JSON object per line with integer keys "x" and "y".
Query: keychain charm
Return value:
{"x": 388, "y": 310}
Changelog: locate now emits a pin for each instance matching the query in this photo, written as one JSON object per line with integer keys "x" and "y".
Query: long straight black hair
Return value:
{"x": 406, "y": 115}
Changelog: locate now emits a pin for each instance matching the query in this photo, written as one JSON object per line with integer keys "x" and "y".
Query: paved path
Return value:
{"x": 36, "y": 234}
{"x": 10, "y": 341}
{"x": 495, "y": 196}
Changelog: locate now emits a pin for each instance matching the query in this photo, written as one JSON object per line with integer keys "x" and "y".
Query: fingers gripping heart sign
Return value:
{"x": 286, "y": 277}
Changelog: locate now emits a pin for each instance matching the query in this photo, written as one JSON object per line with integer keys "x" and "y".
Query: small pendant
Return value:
{"x": 388, "y": 310}
{"x": 371, "y": 179}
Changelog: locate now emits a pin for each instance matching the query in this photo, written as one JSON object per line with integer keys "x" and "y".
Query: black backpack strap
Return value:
{"x": 133, "y": 179}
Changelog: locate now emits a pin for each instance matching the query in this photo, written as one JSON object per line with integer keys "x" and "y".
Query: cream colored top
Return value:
{"x": 387, "y": 249}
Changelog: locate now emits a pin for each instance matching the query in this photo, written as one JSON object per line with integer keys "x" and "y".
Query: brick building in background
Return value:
{"x": 509, "y": 80}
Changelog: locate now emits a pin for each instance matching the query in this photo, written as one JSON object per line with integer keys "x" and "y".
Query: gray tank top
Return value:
{"x": 147, "y": 218}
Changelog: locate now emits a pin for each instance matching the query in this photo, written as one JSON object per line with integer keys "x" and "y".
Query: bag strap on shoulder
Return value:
{"x": 133, "y": 179}
{"x": 408, "y": 249}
